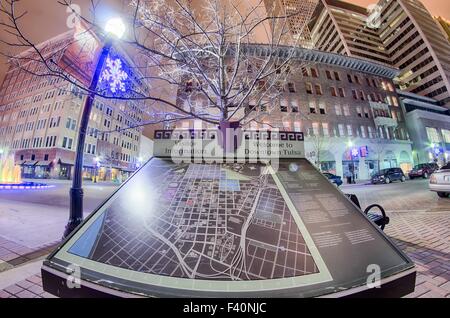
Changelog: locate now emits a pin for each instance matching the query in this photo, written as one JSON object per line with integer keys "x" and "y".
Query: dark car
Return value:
{"x": 424, "y": 170}
{"x": 388, "y": 175}
{"x": 333, "y": 178}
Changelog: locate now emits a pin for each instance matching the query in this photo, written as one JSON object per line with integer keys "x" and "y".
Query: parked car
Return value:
{"x": 440, "y": 181}
{"x": 333, "y": 178}
{"x": 388, "y": 175}
{"x": 424, "y": 170}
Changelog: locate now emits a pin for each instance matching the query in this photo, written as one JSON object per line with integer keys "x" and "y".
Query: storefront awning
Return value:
{"x": 65, "y": 162}
{"x": 30, "y": 163}
{"x": 44, "y": 163}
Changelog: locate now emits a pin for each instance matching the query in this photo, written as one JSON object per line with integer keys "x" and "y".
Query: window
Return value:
{"x": 433, "y": 135}
{"x": 33, "y": 157}
{"x": 349, "y": 77}
{"x": 366, "y": 113}
{"x": 370, "y": 131}
{"x": 363, "y": 132}
{"x": 315, "y": 129}
{"x": 318, "y": 89}
{"x": 395, "y": 101}
{"x": 325, "y": 129}
{"x": 354, "y": 94}
{"x": 309, "y": 89}
{"x": 64, "y": 143}
{"x": 446, "y": 135}
{"x": 305, "y": 71}
{"x": 349, "y": 130}
{"x": 358, "y": 111}
{"x": 341, "y": 130}
{"x": 46, "y": 157}
{"x": 328, "y": 73}
{"x": 297, "y": 126}
{"x": 322, "y": 109}
{"x": 283, "y": 109}
{"x": 69, "y": 145}
{"x": 314, "y": 72}
{"x": 362, "y": 96}
{"x": 341, "y": 92}
{"x": 357, "y": 79}
{"x": 291, "y": 87}
{"x": 338, "y": 110}
{"x": 337, "y": 77}
{"x": 346, "y": 110}
{"x": 333, "y": 91}
{"x": 312, "y": 108}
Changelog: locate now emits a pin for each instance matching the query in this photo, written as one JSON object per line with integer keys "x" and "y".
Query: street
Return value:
{"x": 411, "y": 196}
{"x": 34, "y": 218}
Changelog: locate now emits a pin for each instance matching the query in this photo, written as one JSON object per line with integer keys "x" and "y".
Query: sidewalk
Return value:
{"x": 358, "y": 183}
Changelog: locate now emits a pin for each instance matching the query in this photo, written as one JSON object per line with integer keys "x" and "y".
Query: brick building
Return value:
{"x": 40, "y": 117}
{"x": 342, "y": 104}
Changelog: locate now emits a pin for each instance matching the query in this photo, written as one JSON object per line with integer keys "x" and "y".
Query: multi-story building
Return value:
{"x": 445, "y": 26}
{"x": 298, "y": 13}
{"x": 344, "y": 105}
{"x": 401, "y": 33}
{"x": 40, "y": 118}
{"x": 428, "y": 125}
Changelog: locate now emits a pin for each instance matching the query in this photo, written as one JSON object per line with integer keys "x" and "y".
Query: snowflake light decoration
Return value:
{"x": 114, "y": 75}
{"x": 355, "y": 152}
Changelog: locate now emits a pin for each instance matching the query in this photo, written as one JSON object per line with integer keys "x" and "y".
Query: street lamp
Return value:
{"x": 350, "y": 146}
{"x": 97, "y": 165}
{"x": 114, "y": 28}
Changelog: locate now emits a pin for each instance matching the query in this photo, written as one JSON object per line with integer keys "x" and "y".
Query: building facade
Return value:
{"x": 400, "y": 33}
{"x": 348, "y": 109}
{"x": 428, "y": 125}
{"x": 445, "y": 25}
{"x": 40, "y": 118}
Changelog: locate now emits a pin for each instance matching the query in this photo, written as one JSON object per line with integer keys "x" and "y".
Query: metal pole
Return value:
{"x": 76, "y": 192}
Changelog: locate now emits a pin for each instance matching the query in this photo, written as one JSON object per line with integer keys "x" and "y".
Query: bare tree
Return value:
{"x": 320, "y": 144}
{"x": 221, "y": 59}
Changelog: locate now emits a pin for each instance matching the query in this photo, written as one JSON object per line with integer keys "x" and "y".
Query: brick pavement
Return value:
{"x": 425, "y": 237}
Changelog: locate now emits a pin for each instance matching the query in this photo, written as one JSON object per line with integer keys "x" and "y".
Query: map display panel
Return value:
{"x": 213, "y": 229}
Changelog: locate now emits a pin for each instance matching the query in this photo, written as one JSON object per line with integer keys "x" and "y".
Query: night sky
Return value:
{"x": 46, "y": 18}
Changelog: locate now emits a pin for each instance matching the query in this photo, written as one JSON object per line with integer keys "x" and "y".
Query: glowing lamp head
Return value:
{"x": 350, "y": 143}
{"x": 115, "y": 27}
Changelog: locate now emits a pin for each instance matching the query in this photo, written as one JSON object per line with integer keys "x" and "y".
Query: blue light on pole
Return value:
{"x": 115, "y": 78}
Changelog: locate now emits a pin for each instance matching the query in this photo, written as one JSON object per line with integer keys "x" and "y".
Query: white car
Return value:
{"x": 440, "y": 181}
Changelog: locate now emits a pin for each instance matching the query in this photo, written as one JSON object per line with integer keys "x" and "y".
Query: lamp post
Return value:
{"x": 350, "y": 146}
{"x": 97, "y": 165}
{"x": 113, "y": 28}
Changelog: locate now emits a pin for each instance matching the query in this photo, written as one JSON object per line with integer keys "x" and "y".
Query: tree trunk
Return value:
{"x": 230, "y": 135}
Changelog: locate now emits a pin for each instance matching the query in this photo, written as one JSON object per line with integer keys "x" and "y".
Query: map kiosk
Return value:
{"x": 261, "y": 222}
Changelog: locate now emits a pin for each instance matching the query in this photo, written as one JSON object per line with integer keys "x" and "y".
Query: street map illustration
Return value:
{"x": 201, "y": 221}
